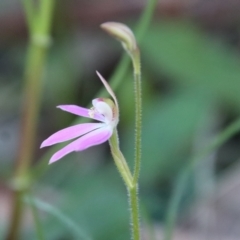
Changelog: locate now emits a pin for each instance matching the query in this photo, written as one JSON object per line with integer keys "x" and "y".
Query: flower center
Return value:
{"x": 105, "y": 107}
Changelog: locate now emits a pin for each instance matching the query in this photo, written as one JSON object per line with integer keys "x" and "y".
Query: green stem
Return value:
{"x": 120, "y": 160}
{"x": 184, "y": 175}
{"x": 140, "y": 33}
{"x": 45, "y": 17}
{"x": 128, "y": 179}
{"x": 145, "y": 20}
{"x": 29, "y": 12}
{"x": 138, "y": 114}
{"x": 31, "y": 103}
{"x": 16, "y": 216}
{"x": 133, "y": 198}
{"x": 36, "y": 57}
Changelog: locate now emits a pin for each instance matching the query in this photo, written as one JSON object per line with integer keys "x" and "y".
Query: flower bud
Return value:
{"x": 123, "y": 34}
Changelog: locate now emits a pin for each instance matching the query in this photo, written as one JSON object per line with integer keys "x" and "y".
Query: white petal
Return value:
{"x": 104, "y": 109}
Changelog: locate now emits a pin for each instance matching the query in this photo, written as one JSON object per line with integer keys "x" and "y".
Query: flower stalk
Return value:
{"x": 133, "y": 199}
{"x": 123, "y": 34}
{"x": 120, "y": 160}
{"x": 138, "y": 113}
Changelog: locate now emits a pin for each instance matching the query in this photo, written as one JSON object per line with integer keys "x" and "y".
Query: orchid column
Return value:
{"x": 122, "y": 33}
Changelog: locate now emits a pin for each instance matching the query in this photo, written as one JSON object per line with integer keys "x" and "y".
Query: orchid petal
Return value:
{"x": 103, "y": 108}
{"x": 80, "y": 111}
{"x": 70, "y": 133}
{"x": 108, "y": 88}
{"x": 93, "y": 138}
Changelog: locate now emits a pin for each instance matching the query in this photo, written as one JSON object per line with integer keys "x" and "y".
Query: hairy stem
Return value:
{"x": 133, "y": 198}
{"x": 138, "y": 114}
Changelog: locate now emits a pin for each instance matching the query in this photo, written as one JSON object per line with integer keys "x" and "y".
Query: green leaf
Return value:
{"x": 60, "y": 216}
{"x": 193, "y": 60}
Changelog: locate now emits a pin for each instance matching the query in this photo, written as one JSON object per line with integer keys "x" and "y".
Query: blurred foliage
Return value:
{"x": 194, "y": 60}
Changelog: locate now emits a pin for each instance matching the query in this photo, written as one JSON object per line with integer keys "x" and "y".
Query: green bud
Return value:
{"x": 123, "y": 34}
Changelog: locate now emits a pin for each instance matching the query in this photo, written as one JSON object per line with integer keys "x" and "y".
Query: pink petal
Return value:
{"x": 93, "y": 138}
{"x": 80, "y": 111}
{"x": 70, "y": 133}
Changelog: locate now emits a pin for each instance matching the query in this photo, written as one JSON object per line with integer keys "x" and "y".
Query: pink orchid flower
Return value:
{"x": 88, "y": 134}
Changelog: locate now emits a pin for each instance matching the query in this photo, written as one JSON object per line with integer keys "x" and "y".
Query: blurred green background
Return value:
{"x": 191, "y": 82}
